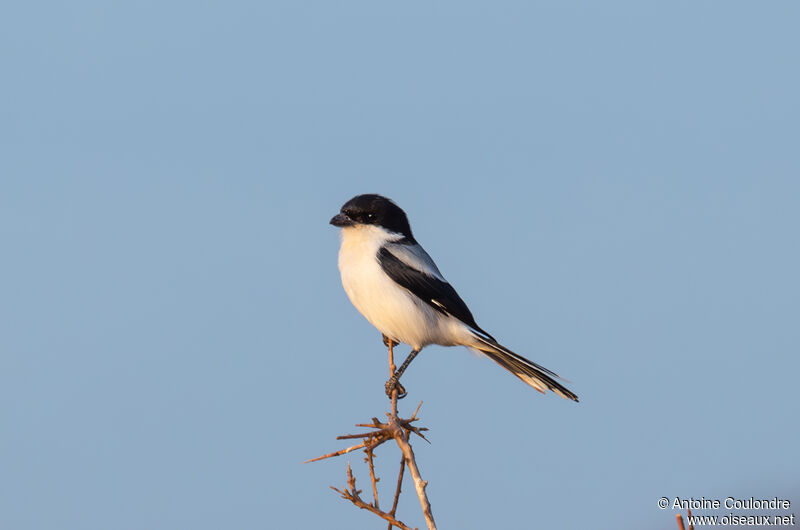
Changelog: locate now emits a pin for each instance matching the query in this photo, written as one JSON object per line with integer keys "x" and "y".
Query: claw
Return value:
{"x": 393, "y": 384}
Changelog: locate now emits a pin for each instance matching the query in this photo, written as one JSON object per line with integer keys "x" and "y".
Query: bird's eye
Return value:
{"x": 371, "y": 217}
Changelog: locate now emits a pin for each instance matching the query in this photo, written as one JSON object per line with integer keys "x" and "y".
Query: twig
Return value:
{"x": 369, "y": 459}
{"x": 360, "y": 434}
{"x": 337, "y": 453}
{"x": 392, "y": 369}
{"x": 414, "y": 416}
{"x": 352, "y": 494}
{"x": 399, "y": 487}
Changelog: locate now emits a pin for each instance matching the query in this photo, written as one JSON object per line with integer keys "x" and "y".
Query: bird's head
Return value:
{"x": 373, "y": 210}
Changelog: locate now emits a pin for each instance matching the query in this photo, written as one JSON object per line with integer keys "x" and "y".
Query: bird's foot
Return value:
{"x": 394, "y": 384}
{"x": 389, "y": 342}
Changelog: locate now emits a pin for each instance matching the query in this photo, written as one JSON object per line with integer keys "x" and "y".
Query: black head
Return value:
{"x": 371, "y": 209}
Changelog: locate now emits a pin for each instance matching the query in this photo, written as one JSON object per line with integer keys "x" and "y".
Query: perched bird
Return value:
{"x": 396, "y": 285}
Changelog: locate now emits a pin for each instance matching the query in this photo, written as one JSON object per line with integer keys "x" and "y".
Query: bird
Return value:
{"x": 398, "y": 288}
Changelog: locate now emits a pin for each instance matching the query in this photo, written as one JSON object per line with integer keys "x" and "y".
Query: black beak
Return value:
{"x": 341, "y": 220}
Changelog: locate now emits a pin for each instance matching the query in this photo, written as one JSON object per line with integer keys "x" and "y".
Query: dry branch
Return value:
{"x": 399, "y": 430}
{"x": 350, "y": 493}
{"x": 399, "y": 487}
{"x": 370, "y": 460}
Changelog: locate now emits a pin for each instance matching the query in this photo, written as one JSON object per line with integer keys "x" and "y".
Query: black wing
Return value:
{"x": 438, "y": 294}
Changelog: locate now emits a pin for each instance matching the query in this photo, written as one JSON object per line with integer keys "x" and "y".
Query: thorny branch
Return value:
{"x": 370, "y": 461}
{"x": 352, "y": 494}
{"x": 399, "y": 487}
{"x": 399, "y": 430}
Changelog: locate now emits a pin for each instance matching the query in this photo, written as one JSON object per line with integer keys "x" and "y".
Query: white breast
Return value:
{"x": 392, "y": 309}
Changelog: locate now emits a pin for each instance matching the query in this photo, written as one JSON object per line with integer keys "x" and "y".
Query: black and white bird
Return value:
{"x": 396, "y": 285}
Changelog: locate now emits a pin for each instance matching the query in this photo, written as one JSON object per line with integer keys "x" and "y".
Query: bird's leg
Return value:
{"x": 394, "y": 381}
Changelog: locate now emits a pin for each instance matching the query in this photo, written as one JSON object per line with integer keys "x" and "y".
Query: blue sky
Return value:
{"x": 612, "y": 187}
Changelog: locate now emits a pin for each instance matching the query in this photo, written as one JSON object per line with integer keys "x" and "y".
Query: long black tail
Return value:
{"x": 531, "y": 373}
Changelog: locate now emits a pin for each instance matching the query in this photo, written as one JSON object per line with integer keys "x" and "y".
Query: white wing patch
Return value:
{"x": 415, "y": 257}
